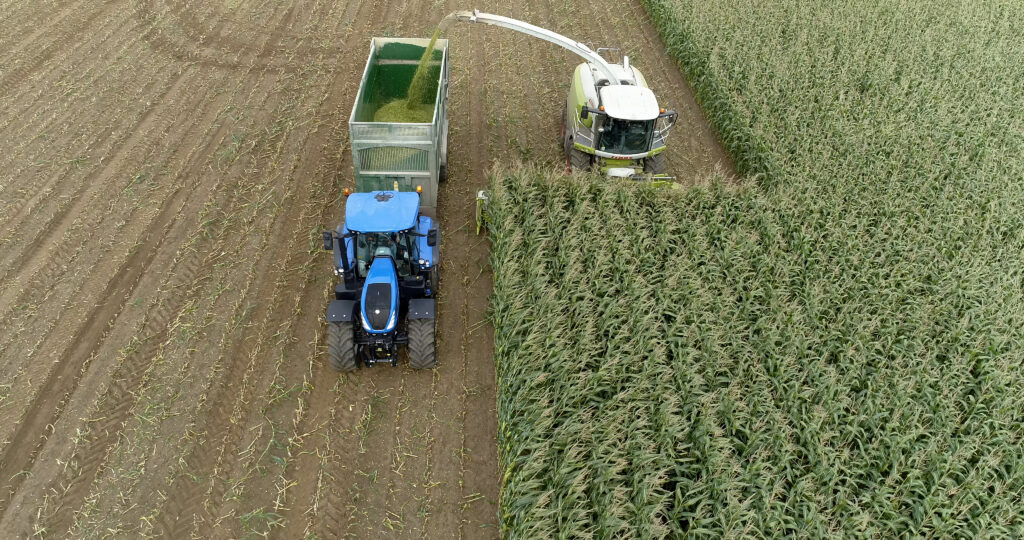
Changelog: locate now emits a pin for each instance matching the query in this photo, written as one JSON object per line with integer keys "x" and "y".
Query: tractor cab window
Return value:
{"x": 399, "y": 245}
{"x": 626, "y": 136}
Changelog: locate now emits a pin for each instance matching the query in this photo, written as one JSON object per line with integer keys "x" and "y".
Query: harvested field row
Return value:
{"x": 167, "y": 168}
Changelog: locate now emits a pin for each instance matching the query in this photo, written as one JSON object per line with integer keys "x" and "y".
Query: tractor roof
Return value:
{"x": 627, "y": 102}
{"x": 381, "y": 211}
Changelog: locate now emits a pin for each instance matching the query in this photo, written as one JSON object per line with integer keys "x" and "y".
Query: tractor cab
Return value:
{"x": 403, "y": 249}
{"x": 387, "y": 256}
{"x": 386, "y": 223}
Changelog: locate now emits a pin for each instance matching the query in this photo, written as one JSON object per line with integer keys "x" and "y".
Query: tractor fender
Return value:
{"x": 340, "y": 310}
{"x": 422, "y": 308}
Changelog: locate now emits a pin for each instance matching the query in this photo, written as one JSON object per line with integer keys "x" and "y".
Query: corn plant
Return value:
{"x": 718, "y": 361}
{"x": 833, "y": 347}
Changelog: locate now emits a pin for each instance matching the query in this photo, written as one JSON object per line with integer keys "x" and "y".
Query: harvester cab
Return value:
{"x": 619, "y": 128}
{"x": 612, "y": 121}
{"x": 386, "y": 254}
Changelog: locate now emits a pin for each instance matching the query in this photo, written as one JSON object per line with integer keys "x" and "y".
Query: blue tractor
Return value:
{"x": 386, "y": 253}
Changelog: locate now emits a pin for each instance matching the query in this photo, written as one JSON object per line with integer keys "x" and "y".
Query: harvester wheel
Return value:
{"x": 422, "y": 347}
{"x": 341, "y": 349}
{"x": 579, "y": 160}
{"x": 655, "y": 164}
{"x": 565, "y": 131}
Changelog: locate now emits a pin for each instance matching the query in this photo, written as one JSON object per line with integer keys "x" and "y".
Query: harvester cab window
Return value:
{"x": 626, "y": 136}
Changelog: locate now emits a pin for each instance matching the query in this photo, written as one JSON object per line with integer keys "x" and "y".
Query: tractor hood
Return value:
{"x": 380, "y": 297}
{"x": 627, "y": 102}
{"x": 381, "y": 211}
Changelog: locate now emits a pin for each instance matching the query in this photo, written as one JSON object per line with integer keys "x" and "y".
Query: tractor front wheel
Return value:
{"x": 341, "y": 348}
{"x": 435, "y": 279}
{"x": 422, "y": 345}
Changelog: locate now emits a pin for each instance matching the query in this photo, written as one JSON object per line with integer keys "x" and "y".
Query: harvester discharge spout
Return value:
{"x": 582, "y": 50}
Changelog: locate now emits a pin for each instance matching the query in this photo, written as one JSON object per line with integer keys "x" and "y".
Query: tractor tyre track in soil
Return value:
{"x": 171, "y": 163}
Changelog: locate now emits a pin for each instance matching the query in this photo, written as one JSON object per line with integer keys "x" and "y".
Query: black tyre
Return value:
{"x": 442, "y": 173}
{"x": 341, "y": 348}
{"x": 580, "y": 161}
{"x": 566, "y": 146}
{"x": 435, "y": 279}
{"x": 422, "y": 347}
{"x": 655, "y": 164}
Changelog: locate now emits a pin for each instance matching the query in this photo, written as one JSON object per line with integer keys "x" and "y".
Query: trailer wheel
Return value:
{"x": 341, "y": 349}
{"x": 422, "y": 346}
{"x": 579, "y": 160}
{"x": 655, "y": 164}
{"x": 442, "y": 173}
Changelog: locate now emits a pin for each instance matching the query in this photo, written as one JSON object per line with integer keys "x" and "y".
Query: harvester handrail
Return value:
{"x": 537, "y": 32}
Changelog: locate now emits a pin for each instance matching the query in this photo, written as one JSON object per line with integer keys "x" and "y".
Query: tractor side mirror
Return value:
{"x": 432, "y": 237}
{"x": 328, "y": 240}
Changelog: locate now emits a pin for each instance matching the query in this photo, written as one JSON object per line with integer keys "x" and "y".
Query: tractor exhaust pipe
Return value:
{"x": 335, "y": 243}
{"x": 346, "y": 268}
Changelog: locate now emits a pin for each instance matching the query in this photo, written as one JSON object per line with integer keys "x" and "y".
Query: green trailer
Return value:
{"x": 409, "y": 154}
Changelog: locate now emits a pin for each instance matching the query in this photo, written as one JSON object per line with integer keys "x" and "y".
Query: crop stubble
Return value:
{"x": 167, "y": 167}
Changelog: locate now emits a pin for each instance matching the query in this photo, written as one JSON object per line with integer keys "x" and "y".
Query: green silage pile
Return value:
{"x": 400, "y": 111}
{"x": 418, "y": 107}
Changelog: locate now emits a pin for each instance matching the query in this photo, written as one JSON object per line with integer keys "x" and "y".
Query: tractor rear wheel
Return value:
{"x": 422, "y": 345}
{"x": 655, "y": 164}
{"x": 341, "y": 348}
{"x": 579, "y": 160}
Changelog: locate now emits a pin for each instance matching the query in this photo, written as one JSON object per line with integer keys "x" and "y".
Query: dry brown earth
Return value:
{"x": 166, "y": 168}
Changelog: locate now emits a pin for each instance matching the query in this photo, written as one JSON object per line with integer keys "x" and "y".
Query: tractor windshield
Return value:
{"x": 400, "y": 245}
{"x": 626, "y": 136}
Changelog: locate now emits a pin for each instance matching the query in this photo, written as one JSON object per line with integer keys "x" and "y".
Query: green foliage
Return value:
{"x": 834, "y": 348}
{"x": 401, "y": 111}
{"x": 418, "y": 107}
{"x": 421, "y": 89}
{"x": 716, "y": 361}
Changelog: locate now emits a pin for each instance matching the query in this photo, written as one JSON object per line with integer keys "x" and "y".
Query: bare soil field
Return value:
{"x": 166, "y": 169}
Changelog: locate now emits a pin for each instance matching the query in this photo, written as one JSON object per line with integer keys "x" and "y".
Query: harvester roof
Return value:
{"x": 381, "y": 211}
{"x": 628, "y": 102}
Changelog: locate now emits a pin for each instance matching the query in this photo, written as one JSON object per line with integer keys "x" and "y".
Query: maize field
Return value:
{"x": 830, "y": 347}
